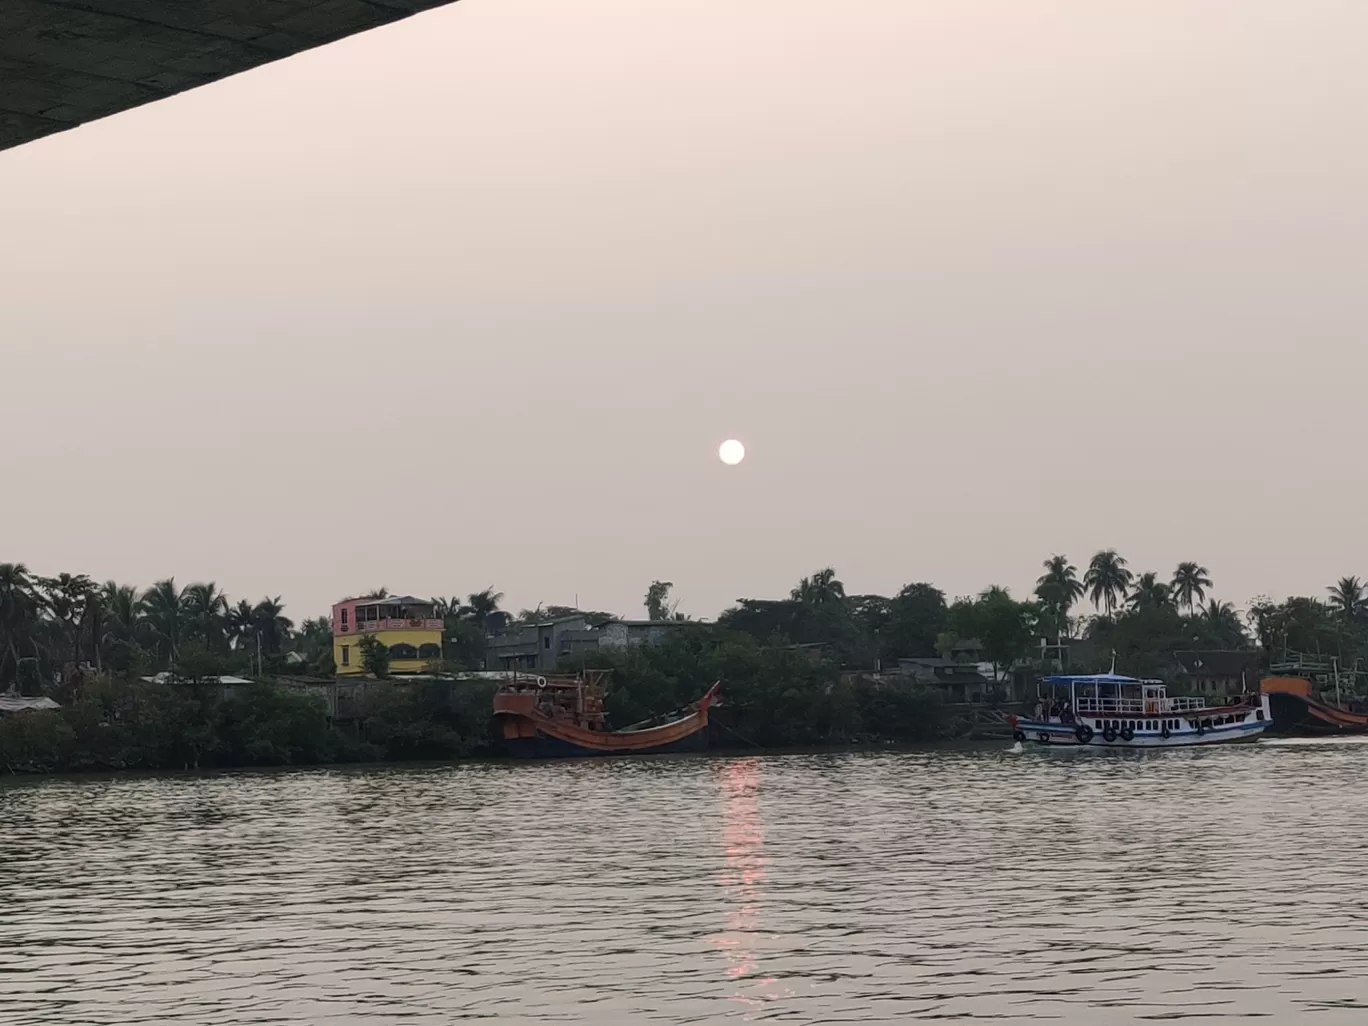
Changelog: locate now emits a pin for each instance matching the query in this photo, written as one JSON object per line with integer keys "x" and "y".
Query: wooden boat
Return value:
{"x": 1300, "y": 710}
{"x": 1110, "y": 711}
{"x": 562, "y": 717}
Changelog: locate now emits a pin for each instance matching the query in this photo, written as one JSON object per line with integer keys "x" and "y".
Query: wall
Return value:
{"x": 416, "y": 638}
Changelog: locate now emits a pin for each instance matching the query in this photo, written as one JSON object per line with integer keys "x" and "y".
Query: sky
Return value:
{"x": 472, "y": 299}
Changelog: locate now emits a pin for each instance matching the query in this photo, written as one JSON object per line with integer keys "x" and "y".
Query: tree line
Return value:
{"x": 809, "y": 668}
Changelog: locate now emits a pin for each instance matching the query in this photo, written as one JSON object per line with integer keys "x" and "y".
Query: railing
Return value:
{"x": 1139, "y": 706}
{"x": 406, "y": 624}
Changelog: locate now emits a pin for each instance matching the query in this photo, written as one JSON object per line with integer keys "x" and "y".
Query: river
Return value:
{"x": 1070, "y": 887}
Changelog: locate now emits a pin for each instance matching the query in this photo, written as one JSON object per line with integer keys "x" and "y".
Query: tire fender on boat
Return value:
{"x": 1043, "y": 737}
{"x": 1201, "y": 727}
{"x": 1127, "y": 733}
{"x": 1164, "y": 732}
{"x": 1018, "y": 736}
{"x": 1084, "y": 733}
{"x": 1109, "y": 734}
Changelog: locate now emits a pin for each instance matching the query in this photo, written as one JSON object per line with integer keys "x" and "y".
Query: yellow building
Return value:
{"x": 405, "y": 625}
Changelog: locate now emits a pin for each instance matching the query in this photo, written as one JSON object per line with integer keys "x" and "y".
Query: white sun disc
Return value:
{"x": 731, "y": 452}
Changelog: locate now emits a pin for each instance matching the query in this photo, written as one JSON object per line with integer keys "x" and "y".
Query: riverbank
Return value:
{"x": 775, "y": 705}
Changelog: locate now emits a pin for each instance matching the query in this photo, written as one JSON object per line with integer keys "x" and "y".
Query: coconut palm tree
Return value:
{"x": 271, "y": 623}
{"x": 65, "y": 597}
{"x": 482, "y": 605}
{"x": 1107, "y": 580}
{"x": 1148, "y": 592}
{"x": 1190, "y": 582}
{"x": 1347, "y": 599}
{"x": 20, "y": 607}
{"x": 821, "y": 588}
{"x": 1058, "y": 588}
{"x": 162, "y": 611}
{"x": 206, "y": 614}
{"x": 240, "y": 624}
{"x": 1222, "y": 619}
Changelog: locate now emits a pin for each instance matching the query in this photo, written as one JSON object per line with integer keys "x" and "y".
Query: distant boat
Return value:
{"x": 1107, "y": 710}
{"x": 1300, "y": 710}
{"x": 547, "y": 717}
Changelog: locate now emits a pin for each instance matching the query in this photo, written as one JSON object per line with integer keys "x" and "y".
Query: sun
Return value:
{"x": 731, "y": 452}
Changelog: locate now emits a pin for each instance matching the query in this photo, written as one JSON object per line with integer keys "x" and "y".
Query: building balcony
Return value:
{"x": 401, "y": 624}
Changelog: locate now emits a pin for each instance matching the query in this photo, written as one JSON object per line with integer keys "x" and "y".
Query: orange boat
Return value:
{"x": 562, "y": 717}
{"x": 1299, "y": 709}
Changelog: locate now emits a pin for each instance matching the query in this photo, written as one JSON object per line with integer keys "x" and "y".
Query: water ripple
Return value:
{"x": 965, "y": 885}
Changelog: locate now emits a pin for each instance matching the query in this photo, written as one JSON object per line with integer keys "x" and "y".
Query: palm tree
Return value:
{"x": 1149, "y": 592}
{"x": 66, "y": 596}
{"x": 206, "y": 612}
{"x": 240, "y": 624}
{"x": 20, "y": 605}
{"x": 1058, "y": 588}
{"x": 1107, "y": 580}
{"x": 271, "y": 624}
{"x": 445, "y": 607}
{"x": 1222, "y": 619}
{"x": 1347, "y": 599}
{"x": 483, "y": 604}
{"x": 1190, "y": 582}
{"x": 162, "y": 611}
{"x": 821, "y": 588}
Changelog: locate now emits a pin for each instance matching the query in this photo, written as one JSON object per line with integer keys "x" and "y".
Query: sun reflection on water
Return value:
{"x": 743, "y": 878}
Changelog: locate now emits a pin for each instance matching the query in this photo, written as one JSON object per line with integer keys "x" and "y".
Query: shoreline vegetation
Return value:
{"x": 136, "y": 675}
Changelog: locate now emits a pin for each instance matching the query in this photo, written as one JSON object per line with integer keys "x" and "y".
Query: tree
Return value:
{"x": 161, "y": 610}
{"x": 1347, "y": 599}
{"x": 240, "y": 624}
{"x": 375, "y": 658}
{"x": 1002, "y": 625}
{"x": 1190, "y": 582}
{"x": 65, "y": 597}
{"x": 1149, "y": 592}
{"x": 658, "y": 601}
{"x": 1223, "y": 622}
{"x": 206, "y": 616}
{"x": 271, "y": 624}
{"x": 1058, "y": 588}
{"x": 916, "y": 617}
{"x": 1107, "y": 580}
{"x": 821, "y": 588}
{"x": 19, "y": 608}
{"x": 482, "y": 605}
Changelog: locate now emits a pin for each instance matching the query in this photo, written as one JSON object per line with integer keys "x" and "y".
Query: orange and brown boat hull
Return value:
{"x": 530, "y": 733}
{"x": 1299, "y": 712}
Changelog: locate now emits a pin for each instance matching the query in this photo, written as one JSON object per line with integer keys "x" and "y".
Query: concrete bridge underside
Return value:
{"x": 66, "y": 62}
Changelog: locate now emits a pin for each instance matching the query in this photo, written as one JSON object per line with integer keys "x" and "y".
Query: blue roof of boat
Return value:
{"x": 1097, "y": 678}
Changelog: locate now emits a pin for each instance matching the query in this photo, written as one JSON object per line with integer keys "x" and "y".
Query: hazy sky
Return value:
{"x": 472, "y": 300}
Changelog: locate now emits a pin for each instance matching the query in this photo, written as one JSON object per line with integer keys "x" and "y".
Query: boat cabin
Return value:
{"x": 1109, "y": 694}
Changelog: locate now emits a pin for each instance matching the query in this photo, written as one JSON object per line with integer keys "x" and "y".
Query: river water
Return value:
{"x": 1070, "y": 887}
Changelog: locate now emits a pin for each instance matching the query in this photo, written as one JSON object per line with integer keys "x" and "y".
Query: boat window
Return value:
{"x": 1259, "y": 714}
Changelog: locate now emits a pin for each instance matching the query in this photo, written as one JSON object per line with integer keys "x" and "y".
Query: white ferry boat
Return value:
{"x": 1112, "y": 711}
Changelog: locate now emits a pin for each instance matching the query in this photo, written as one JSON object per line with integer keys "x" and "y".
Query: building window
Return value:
{"x": 344, "y": 619}
{"x": 346, "y": 654}
{"x": 402, "y": 651}
{"x": 429, "y": 651}
{"x": 546, "y": 641}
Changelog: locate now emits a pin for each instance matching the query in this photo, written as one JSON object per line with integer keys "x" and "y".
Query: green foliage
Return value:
{"x": 375, "y": 658}
{"x": 774, "y": 696}
{"x": 658, "y": 601}
{"x": 1004, "y": 626}
{"x": 1107, "y": 580}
